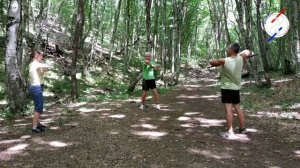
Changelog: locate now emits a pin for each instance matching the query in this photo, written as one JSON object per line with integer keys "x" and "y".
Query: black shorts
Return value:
{"x": 148, "y": 84}
{"x": 230, "y": 96}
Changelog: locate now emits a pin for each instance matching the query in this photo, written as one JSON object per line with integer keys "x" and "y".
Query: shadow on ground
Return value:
{"x": 185, "y": 133}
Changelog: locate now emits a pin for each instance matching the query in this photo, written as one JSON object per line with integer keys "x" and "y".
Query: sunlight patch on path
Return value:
{"x": 191, "y": 86}
{"x": 103, "y": 109}
{"x": 10, "y": 152}
{"x": 188, "y": 125}
{"x": 73, "y": 105}
{"x": 295, "y": 106}
{"x": 149, "y": 134}
{"x": 86, "y": 110}
{"x": 22, "y": 124}
{"x": 297, "y": 152}
{"x": 164, "y": 118}
{"x": 212, "y": 85}
{"x": 191, "y": 113}
{"x": 183, "y": 118}
{"x": 54, "y": 128}
{"x": 147, "y": 126}
{"x": 117, "y": 116}
{"x": 210, "y": 154}
{"x": 210, "y": 97}
{"x": 209, "y": 80}
{"x": 188, "y": 97}
{"x": 58, "y": 144}
{"x": 210, "y": 122}
{"x": 11, "y": 141}
{"x": 18, "y": 147}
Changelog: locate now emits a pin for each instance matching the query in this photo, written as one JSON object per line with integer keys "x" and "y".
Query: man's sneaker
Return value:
{"x": 229, "y": 136}
{"x": 142, "y": 107}
{"x": 39, "y": 125}
{"x": 157, "y": 107}
{"x": 37, "y": 130}
{"x": 242, "y": 131}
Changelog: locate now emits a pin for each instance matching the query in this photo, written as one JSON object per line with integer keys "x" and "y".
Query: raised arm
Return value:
{"x": 246, "y": 54}
{"x": 43, "y": 67}
{"x": 154, "y": 65}
{"x": 217, "y": 62}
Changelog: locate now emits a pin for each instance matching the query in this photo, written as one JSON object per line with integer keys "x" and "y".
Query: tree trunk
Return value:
{"x": 128, "y": 33}
{"x": 134, "y": 82}
{"x": 163, "y": 37}
{"x": 40, "y": 20}
{"x": 85, "y": 71}
{"x": 155, "y": 31}
{"x": 76, "y": 45}
{"x": 113, "y": 36}
{"x": 16, "y": 85}
{"x": 248, "y": 17}
{"x": 240, "y": 21}
{"x": 3, "y": 21}
{"x": 262, "y": 42}
{"x": 228, "y": 41}
{"x": 173, "y": 33}
{"x": 297, "y": 18}
{"x": 285, "y": 47}
{"x": 148, "y": 4}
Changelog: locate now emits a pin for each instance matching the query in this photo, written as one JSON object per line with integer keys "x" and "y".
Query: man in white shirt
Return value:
{"x": 36, "y": 73}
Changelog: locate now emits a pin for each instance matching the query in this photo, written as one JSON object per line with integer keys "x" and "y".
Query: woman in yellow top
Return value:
{"x": 36, "y": 73}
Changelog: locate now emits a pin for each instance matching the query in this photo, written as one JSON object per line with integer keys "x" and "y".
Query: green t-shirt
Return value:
{"x": 231, "y": 75}
{"x": 148, "y": 71}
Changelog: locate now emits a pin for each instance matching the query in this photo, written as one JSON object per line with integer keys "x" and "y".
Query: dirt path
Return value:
{"x": 184, "y": 134}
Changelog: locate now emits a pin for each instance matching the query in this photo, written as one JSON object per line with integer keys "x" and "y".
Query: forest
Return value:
{"x": 96, "y": 49}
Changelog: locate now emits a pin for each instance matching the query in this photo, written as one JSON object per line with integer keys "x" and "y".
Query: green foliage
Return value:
{"x": 61, "y": 86}
{"x": 6, "y": 114}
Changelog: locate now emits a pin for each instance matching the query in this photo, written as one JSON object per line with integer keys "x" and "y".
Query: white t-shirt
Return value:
{"x": 36, "y": 72}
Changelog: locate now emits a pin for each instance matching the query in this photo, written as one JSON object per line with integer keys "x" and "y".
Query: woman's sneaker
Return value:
{"x": 37, "y": 130}
{"x": 39, "y": 125}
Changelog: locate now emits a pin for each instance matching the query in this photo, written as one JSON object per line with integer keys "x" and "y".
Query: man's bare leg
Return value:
{"x": 156, "y": 98}
{"x": 144, "y": 95}
{"x": 229, "y": 116}
{"x": 240, "y": 115}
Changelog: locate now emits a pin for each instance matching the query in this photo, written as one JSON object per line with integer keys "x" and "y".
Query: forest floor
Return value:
{"x": 185, "y": 133}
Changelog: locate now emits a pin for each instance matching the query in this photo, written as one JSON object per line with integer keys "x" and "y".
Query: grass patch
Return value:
{"x": 277, "y": 98}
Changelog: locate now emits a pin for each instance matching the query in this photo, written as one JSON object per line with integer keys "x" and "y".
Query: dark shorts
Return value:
{"x": 230, "y": 96}
{"x": 148, "y": 84}
{"x": 37, "y": 95}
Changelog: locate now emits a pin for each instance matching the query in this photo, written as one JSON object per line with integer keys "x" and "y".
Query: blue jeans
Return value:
{"x": 36, "y": 92}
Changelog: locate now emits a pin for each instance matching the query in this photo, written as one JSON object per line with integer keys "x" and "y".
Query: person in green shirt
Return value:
{"x": 231, "y": 77}
{"x": 149, "y": 70}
